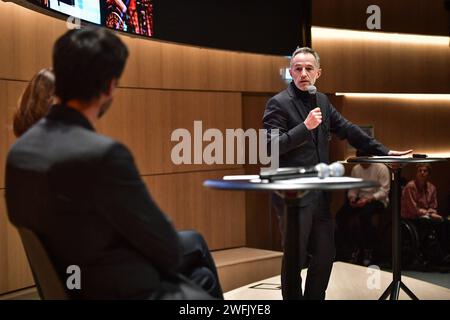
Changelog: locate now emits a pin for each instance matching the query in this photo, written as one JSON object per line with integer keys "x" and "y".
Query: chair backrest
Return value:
{"x": 47, "y": 280}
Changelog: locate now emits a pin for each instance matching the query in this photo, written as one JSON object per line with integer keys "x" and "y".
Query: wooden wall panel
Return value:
{"x": 145, "y": 119}
{"x": 226, "y": 69}
{"x": 364, "y": 65}
{"x": 401, "y": 16}
{"x": 144, "y": 68}
{"x": 26, "y": 41}
{"x": 404, "y": 123}
{"x": 11, "y": 91}
{"x": 14, "y": 269}
{"x": 219, "y": 215}
{"x": 256, "y": 74}
{"x": 260, "y": 222}
{"x": 4, "y": 275}
{"x": 183, "y": 67}
{"x": 3, "y": 135}
{"x": 157, "y": 64}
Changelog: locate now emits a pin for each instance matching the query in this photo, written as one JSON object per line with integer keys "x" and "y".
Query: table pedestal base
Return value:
{"x": 394, "y": 290}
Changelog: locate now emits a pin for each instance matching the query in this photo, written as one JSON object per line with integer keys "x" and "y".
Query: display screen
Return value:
{"x": 258, "y": 26}
{"x": 132, "y": 16}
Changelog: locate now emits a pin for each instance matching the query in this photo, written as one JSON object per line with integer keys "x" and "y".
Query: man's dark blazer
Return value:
{"x": 297, "y": 145}
{"x": 82, "y": 194}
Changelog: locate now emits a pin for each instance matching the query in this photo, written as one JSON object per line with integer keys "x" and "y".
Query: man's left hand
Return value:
{"x": 399, "y": 153}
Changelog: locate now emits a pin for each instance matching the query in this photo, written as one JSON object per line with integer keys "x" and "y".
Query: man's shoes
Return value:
{"x": 354, "y": 257}
{"x": 446, "y": 260}
{"x": 367, "y": 257}
{"x": 420, "y": 265}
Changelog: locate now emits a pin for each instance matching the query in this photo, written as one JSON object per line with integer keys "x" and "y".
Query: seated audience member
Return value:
{"x": 419, "y": 205}
{"x": 84, "y": 196}
{"x": 357, "y": 219}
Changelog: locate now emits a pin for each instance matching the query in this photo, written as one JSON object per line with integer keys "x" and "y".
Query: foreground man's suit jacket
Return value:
{"x": 82, "y": 194}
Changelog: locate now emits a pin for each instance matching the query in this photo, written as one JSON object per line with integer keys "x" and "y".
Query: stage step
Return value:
{"x": 236, "y": 267}
{"x": 240, "y": 266}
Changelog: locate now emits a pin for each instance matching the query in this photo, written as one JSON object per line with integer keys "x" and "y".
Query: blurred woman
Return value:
{"x": 35, "y": 101}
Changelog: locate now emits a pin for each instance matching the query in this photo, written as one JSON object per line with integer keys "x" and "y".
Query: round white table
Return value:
{"x": 291, "y": 191}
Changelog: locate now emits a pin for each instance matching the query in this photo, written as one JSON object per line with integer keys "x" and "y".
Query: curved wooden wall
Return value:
{"x": 366, "y": 65}
{"x": 401, "y": 16}
{"x": 165, "y": 86}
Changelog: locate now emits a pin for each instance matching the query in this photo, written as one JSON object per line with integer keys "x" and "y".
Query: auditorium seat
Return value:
{"x": 48, "y": 283}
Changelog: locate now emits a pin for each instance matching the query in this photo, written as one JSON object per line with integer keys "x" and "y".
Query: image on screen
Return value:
{"x": 88, "y": 10}
{"x": 133, "y": 16}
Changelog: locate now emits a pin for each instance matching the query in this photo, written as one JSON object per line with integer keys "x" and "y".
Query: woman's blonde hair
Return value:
{"x": 35, "y": 101}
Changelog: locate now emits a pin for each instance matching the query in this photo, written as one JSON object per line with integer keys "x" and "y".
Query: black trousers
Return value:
{"x": 196, "y": 278}
{"x": 316, "y": 240}
{"x": 198, "y": 264}
{"x": 356, "y": 226}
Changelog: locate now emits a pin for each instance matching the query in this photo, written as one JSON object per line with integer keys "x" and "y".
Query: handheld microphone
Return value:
{"x": 312, "y": 90}
{"x": 321, "y": 170}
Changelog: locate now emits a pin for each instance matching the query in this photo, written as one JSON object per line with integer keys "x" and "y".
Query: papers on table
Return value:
{"x": 241, "y": 177}
{"x": 256, "y": 179}
{"x": 318, "y": 180}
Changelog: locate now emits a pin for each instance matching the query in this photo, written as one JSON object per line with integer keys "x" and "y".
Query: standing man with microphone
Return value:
{"x": 305, "y": 120}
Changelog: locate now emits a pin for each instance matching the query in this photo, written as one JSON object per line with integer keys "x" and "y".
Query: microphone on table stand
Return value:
{"x": 321, "y": 170}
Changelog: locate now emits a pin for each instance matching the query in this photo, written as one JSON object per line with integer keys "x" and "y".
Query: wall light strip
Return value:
{"x": 412, "y": 96}
{"x": 345, "y": 34}
{"x": 443, "y": 154}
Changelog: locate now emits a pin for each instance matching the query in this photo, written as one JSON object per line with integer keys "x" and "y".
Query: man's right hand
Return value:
{"x": 313, "y": 119}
